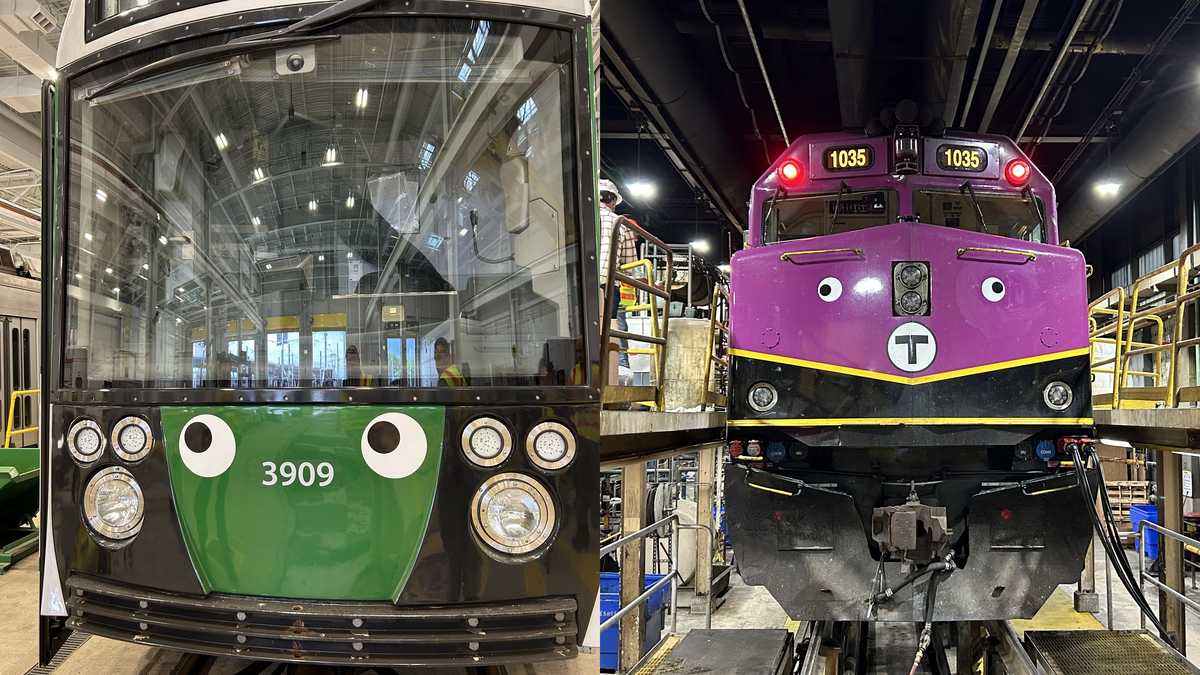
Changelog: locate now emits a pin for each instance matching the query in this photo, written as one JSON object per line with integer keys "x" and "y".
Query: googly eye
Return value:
{"x": 829, "y": 289}
{"x": 993, "y": 289}
{"x": 207, "y": 446}
{"x": 394, "y": 445}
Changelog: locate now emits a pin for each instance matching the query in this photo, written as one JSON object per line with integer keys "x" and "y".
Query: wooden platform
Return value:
{"x": 633, "y": 434}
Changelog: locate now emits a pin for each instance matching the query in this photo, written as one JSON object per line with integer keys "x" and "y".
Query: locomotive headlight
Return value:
{"x": 911, "y": 302}
{"x": 113, "y": 506}
{"x": 550, "y": 445}
{"x": 911, "y": 275}
{"x": 486, "y": 441}
{"x": 763, "y": 397}
{"x": 131, "y": 438}
{"x": 512, "y": 514}
{"x": 1058, "y": 395}
{"x": 85, "y": 442}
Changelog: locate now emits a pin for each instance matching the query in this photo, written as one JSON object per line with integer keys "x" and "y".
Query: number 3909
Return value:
{"x": 304, "y": 473}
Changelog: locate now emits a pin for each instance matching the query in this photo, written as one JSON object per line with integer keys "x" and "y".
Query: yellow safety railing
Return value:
{"x": 22, "y": 394}
{"x": 654, "y": 350}
{"x": 655, "y": 290}
{"x": 718, "y": 339}
{"x": 1156, "y": 304}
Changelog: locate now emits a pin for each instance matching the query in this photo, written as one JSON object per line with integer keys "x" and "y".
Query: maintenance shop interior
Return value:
{"x": 558, "y": 337}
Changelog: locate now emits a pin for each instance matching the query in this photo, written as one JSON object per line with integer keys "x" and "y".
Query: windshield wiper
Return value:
{"x": 326, "y": 17}
{"x": 204, "y": 54}
{"x": 1034, "y": 206}
{"x": 771, "y": 202}
{"x": 966, "y": 189}
{"x": 837, "y": 203}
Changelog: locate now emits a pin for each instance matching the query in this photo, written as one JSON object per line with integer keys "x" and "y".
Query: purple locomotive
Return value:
{"x": 909, "y": 346}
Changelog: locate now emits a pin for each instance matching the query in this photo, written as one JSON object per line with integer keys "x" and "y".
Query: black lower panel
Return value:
{"x": 335, "y": 633}
{"x": 813, "y": 554}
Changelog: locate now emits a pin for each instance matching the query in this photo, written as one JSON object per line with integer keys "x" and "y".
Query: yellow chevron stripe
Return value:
{"x": 899, "y": 421}
{"x": 901, "y": 379}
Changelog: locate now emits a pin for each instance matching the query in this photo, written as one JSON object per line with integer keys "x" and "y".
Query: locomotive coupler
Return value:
{"x": 913, "y": 530}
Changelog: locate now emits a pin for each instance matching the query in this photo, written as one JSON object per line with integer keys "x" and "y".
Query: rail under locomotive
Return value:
{"x": 910, "y": 379}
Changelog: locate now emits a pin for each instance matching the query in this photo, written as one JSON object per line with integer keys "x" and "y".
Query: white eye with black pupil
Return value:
{"x": 829, "y": 289}
{"x": 993, "y": 289}
{"x": 207, "y": 446}
{"x": 394, "y": 445}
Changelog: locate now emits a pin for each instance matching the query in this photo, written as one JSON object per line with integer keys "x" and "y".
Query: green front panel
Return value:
{"x": 355, "y": 538}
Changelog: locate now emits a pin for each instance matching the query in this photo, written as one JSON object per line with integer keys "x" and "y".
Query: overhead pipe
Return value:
{"x": 1010, "y": 59}
{"x": 1061, "y": 54}
{"x": 983, "y": 52}
{"x": 763, "y": 68}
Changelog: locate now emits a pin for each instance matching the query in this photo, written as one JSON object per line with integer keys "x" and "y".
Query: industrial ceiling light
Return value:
{"x": 643, "y": 190}
{"x": 1107, "y": 189}
{"x": 701, "y": 246}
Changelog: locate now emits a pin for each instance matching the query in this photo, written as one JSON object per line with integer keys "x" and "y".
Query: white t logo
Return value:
{"x": 911, "y": 347}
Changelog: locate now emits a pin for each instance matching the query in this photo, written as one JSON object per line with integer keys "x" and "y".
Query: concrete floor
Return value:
{"x": 18, "y": 643}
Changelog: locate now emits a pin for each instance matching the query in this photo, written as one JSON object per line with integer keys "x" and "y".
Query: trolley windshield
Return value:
{"x": 390, "y": 207}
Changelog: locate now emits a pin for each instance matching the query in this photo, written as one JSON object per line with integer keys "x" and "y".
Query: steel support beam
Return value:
{"x": 1010, "y": 59}
{"x": 852, "y": 27}
{"x": 956, "y": 32}
{"x": 20, "y": 142}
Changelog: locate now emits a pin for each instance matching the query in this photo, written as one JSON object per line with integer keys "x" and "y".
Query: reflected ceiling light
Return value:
{"x": 868, "y": 286}
{"x": 350, "y": 200}
{"x": 723, "y": 268}
{"x": 360, "y": 99}
{"x": 321, "y": 258}
{"x": 162, "y": 240}
{"x": 258, "y": 174}
{"x": 178, "y": 320}
{"x": 642, "y": 189}
{"x": 145, "y": 266}
{"x": 221, "y": 141}
{"x": 255, "y": 221}
{"x": 312, "y": 205}
{"x": 101, "y": 195}
{"x": 116, "y": 289}
{"x": 701, "y": 246}
{"x": 331, "y": 157}
{"x": 268, "y": 265}
{"x": 87, "y": 235}
{"x": 463, "y": 232}
{"x": 349, "y": 254}
{"x": 1107, "y": 189}
{"x": 108, "y": 270}
{"x": 78, "y": 275}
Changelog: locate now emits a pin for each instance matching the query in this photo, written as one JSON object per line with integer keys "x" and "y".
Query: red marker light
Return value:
{"x": 1017, "y": 172}
{"x": 791, "y": 172}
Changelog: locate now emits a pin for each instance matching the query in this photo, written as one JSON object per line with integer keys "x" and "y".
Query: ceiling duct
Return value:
{"x": 24, "y": 25}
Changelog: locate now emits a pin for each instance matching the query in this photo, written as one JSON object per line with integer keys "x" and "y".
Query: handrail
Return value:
{"x": 712, "y": 394}
{"x": 1143, "y": 577}
{"x": 615, "y": 275}
{"x": 9, "y": 432}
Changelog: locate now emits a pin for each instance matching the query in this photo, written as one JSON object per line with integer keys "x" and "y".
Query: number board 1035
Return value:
{"x": 970, "y": 158}
{"x": 848, "y": 158}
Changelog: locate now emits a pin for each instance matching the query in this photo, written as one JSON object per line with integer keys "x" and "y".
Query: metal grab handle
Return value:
{"x": 857, "y": 252}
{"x": 1028, "y": 256}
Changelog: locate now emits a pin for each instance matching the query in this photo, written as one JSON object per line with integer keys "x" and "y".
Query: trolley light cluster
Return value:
{"x": 512, "y": 513}
{"x": 113, "y": 503}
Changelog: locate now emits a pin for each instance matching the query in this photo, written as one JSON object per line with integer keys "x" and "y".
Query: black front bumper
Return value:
{"x": 325, "y": 632}
{"x": 809, "y": 546}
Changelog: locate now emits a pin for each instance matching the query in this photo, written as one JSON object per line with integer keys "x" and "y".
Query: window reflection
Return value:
{"x": 328, "y": 228}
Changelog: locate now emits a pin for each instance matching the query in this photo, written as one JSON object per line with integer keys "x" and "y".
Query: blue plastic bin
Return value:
{"x": 610, "y": 602}
{"x": 1140, "y": 512}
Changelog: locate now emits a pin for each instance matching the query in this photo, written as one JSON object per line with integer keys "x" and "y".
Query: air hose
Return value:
{"x": 1110, "y": 538}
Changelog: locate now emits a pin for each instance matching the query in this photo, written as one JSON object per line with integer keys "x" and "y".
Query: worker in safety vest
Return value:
{"x": 448, "y": 372}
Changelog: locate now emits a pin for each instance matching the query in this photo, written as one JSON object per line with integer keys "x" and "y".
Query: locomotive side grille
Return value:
{"x": 327, "y": 632}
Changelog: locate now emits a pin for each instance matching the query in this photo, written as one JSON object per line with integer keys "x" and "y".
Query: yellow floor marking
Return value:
{"x": 664, "y": 650}
{"x": 1057, "y": 614}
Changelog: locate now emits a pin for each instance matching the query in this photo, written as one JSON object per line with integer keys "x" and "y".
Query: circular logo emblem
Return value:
{"x": 911, "y": 347}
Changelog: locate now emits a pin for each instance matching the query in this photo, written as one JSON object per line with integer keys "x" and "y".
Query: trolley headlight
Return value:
{"x": 113, "y": 506}
{"x": 486, "y": 441}
{"x": 1058, "y": 395}
{"x": 763, "y": 396}
{"x": 85, "y": 441}
{"x": 550, "y": 445}
{"x": 131, "y": 438}
{"x": 513, "y": 514}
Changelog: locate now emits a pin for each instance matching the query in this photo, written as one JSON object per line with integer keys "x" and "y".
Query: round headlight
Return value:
{"x": 131, "y": 438}
{"x": 911, "y": 302}
{"x": 512, "y": 513}
{"x": 763, "y": 397}
{"x": 113, "y": 506}
{"x": 550, "y": 445}
{"x": 486, "y": 441}
{"x": 1058, "y": 396}
{"x": 85, "y": 441}
{"x": 911, "y": 275}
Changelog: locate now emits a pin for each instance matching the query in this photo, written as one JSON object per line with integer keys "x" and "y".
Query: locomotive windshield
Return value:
{"x": 393, "y": 206}
{"x": 1013, "y": 216}
{"x": 816, "y": 215}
